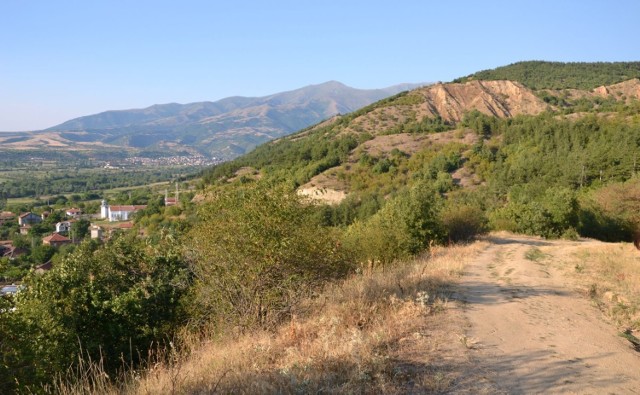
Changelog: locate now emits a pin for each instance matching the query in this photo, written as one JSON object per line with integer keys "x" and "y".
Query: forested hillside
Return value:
{"x": 433, "y": 166}
{"x": 558, "y": 75}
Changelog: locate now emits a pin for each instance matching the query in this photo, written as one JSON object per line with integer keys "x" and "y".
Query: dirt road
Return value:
{"x": 529, "y": 331}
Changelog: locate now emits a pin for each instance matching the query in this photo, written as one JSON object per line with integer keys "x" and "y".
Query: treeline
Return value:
{"x": 542, "y": 175}
{"x": 39, "y": 183}
{"x": 559, "y": 75}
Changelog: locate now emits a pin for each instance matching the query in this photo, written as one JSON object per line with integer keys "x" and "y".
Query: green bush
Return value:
{"x": 611, "y": 213}
{"x": 548, "y": 214}
{"x": 403, "y": 227}
{"x": 109, "y": 304}
{"x": 255, "y": 251}
{"x": 463, "y": 222}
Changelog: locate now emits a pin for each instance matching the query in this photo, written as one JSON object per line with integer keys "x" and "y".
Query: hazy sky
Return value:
{"x": 64, "y": 59}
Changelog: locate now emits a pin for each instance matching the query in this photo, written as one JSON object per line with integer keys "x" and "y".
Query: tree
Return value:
{"x": 255, "y": 251}
{"x": 403, "y": 227}
{"x": 107, "y": 303}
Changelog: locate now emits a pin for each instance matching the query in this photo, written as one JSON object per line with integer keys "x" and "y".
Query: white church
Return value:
{"x": 118, "y": 213}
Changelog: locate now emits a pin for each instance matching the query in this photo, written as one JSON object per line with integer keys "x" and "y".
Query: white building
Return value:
{"x": 63, "y": 227}
{"x": 118, "y": 213}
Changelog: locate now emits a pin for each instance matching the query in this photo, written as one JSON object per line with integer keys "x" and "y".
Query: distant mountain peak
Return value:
{"x": 211, "y": 127}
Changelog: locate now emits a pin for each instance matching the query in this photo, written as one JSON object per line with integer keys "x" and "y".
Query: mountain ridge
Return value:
{"x": 318, "y": 91}
{"x": 227, "y": 126}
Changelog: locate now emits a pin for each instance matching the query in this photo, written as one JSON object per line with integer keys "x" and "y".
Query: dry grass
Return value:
{"x": 381, "y": 331}
{"x": 610, "y": 275}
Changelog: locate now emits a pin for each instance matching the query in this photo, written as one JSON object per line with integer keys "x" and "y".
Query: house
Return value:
{"x": 73, "y": 212}
{"x": 6, "y": 216}
{"x": 24, "y": 230}
{"x": 56, "y": 240}
{"x": 45, "y": 215}
{"x": 63, "y": 227}
{"x": 29, "y": 219}
{"x": 119, "y": 213}
{"x": 9, "y": 251}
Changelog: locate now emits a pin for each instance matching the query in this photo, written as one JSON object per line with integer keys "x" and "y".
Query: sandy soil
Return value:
{"x": 529, "y": 331}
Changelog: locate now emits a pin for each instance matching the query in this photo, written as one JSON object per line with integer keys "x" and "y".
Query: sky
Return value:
{"x": 64, "y": 59}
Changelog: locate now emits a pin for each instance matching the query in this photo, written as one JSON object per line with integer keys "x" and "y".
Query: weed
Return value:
{"x": 534, "y": 254}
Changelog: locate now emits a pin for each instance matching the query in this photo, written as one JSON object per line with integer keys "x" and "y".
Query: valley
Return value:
{"x": 219, "y": 130}
{"x": 453, "y": 238}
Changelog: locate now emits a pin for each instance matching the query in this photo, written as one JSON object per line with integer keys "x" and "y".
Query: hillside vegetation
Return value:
{"x": 424, "y": 168}
{"x": 558, "y": 75}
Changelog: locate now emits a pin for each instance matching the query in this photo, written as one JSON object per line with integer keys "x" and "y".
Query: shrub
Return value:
{"x": 548, "y": 213}
{"x": 255, "y": 251}
{"x": 109, "y": 304}
{"x": 611, "y": 213}
{"x": 404, "y": 226}
{"x": 463, "y": 222}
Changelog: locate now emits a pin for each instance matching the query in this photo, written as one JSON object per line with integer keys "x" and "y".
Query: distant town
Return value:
{"x": 191, "y": 160}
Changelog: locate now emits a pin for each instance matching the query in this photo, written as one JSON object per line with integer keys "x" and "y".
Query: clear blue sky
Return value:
{"x": 64, "y": 59}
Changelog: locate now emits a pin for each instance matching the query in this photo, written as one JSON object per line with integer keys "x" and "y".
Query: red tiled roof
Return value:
{"x": 55, "y": 237}
{"x": 74, "y": 210}
{"x": 127, "y": 208}
{"x": 7, "y": 215}
{"x": 126, "y": 225}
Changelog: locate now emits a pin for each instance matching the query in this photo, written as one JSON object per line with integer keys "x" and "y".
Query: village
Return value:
{"x": 41, "y": 235}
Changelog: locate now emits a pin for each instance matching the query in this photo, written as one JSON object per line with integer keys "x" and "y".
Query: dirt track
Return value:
{"x": 529, "y": 331}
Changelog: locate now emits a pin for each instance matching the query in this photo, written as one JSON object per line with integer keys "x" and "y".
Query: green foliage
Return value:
{"x": 612, "y": 212}
{"x": 425, "y": 125}
{"x": 292, "y": 159}
{"x": 462, "y": 222}
{"x": 59, "y": 181}
{"x": 255, "y": 250}
{"x": 355, "y": 207}
{"x": 561, "y": 152}
{"x": 534, "y": 254}
{"x": 106, "y": 303}
{"x": 10, "y": 355}
{"x": 484, "y": 125}
{"x": 406, "y": 225}
{"x": 549, "y": 213}
{"x": 558, "y": 75}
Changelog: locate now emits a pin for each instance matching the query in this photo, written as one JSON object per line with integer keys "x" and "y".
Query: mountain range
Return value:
{"x": 222, "y": 129}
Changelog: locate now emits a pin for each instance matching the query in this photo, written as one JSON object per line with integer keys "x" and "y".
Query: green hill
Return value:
{"x": 496, "y": 146}
{"x": 559, "y": 75}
